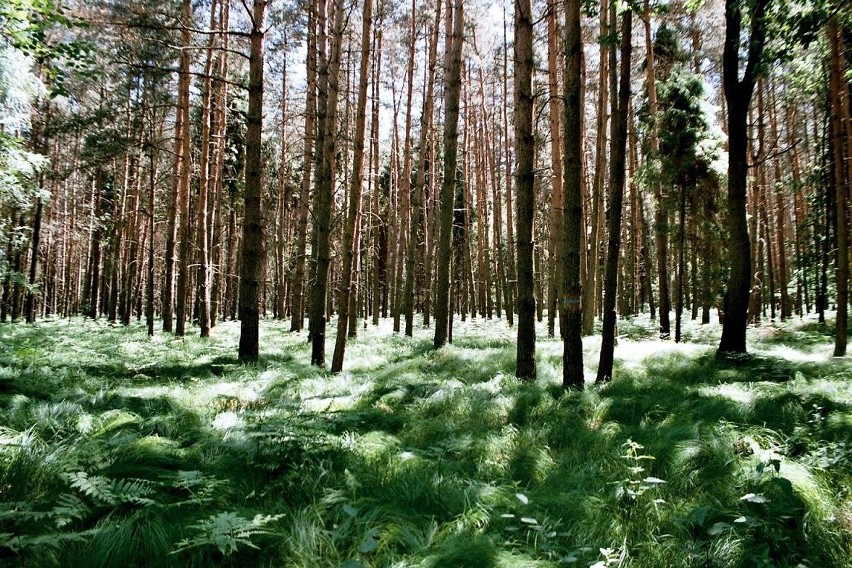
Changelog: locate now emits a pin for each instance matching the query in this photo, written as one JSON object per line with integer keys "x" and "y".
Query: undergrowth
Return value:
{"x": 119, "y": 450}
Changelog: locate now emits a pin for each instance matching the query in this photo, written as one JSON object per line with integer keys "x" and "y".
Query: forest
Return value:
{"x": 581, "y": 267}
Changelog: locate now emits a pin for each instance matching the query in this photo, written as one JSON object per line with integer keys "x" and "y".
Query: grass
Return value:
{"x": 120, "y": 450}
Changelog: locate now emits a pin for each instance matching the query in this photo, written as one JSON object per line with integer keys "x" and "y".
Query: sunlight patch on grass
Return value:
{"x": 373, "y": 444}
{"x": 736, "y": 392}
{"x": 228, "y": 421}
{"x": 809, "y": 488}
{"x": 796, "y": 354}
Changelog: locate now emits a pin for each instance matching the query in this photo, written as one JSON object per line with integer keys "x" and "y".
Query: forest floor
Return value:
{"x": 120, "y": 450}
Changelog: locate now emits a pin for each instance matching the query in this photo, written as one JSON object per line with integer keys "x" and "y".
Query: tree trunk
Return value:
{"x": 181, "y": 132}
{"x": 524, "y": 184}
{"x": 253, "y": 256}
{"x": 282, "y": 216}
{"x": 329, "y": 72}
{"x": 681, "y": 263}
{"x": 738, "y": 93}
{"x": 30, "y": 308}
{"x": 511, "y": 282}
{"x": 452, "y": 94}
{"x": 571, "y": 308}
{"x": 661, "y": 225}
{"x": 590, "y": 286}
{"x": 298, "y": 303}
{"x": 838, "y": 90}
{"x": 94, "y": 275}
{"x": 617, "y": 179}
{"x": 353, "y": 217}
{"x": 203, "y": 269}
{"x": 780, "y": 207}
{"x": 557, "y": 226}
{"x": 152, "y": 186}
{"x": 379, "y": 255}
{"x": 220, "y": 127}
{"x": 417, "y": 201}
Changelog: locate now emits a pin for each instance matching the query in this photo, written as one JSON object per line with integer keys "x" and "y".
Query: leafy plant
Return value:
{"x": 228, "y": 531}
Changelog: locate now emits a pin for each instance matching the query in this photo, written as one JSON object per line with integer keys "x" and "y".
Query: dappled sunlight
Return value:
{"x": 228, "y": 421}
{"x": 632, "y": 354}
{"x": 736, "y": 392}
{"x": 795, "y": 354}
{"x": 431, "y": 458}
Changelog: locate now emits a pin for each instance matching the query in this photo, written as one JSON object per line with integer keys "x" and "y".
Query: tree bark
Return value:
{"x": 511, "y": 282}
{"x": 557, "y": 226}
{"x": 452, "y": 93}
{"x": 525, "y": 188}
{"x": 661, "y": 228}
{"x": 329, "y": 72}
{"x": 738, "y": 93}
{"x": 571, "y": 308}
{"x": 298, "y": 303}
{"x": 175, "y": 296}
{"x": 30, "y": 307}
{"x": 839, "y": 90}
{"x": 253, "y": 255}
{"x": 357, "y": 180}
{"x": 617, "y": 179}
{"x": 203, "y": 269}
{"x": 590, "y": 286}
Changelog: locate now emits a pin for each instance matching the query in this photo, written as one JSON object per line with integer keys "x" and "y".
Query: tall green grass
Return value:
{"x": 120, "y": 450}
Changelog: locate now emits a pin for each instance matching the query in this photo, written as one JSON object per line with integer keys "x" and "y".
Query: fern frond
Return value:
{"x": 227, "y": 531}
{"x": 52, "y": 540}
{"x": 106, "y": 491}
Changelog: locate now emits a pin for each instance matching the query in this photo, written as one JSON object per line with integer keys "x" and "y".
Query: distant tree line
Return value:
{"x": 577, "y": 161}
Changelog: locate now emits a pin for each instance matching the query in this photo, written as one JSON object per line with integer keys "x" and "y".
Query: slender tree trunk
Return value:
{"x": 220, "y": 122}
{"x": 298, "y": 302}
{"x": 418, "y": 203}
{"x": 203, "y": 268}
{"x": 738, "y": 93}
{"x": 617, "y": 179}
{"x": 557, "y": 227}
{"x": 152, "y": 186}
{"x": 525, "y": 182}
{"x": 30, "y": 308}
{"x": 681, "y": 263}
{"x": 780, "y": 207}
{"x": 405, "y": 302}
{"x": 511, "y": 284}
{"x": 571, "y": 308}
{"x": 661, "y": 225}
{"x": 329, "y": 73}
{"x": 253, "y": 255}
{"x": 590, "y": 286}
{"x": 181, "y": 131}
{"x": 282, "y": 217}
{"x": 839, "y": 90}
{"x": 94, "y": 275}
{"x": 181, "y": 164}
{"x": 452, "y": 93}
{"x": 353, "y": 217}
{"x": 379, "y": 255}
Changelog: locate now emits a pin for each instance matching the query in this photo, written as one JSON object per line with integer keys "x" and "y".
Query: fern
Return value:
{"x": 53, "y": 540}
{"x": 227, "y": 531}
{"x": 112, "y": 492}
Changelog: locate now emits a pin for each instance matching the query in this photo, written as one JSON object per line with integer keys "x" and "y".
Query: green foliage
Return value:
{"x": 227, "y": 531}
{"x": 119, "y": 450}
{"x": 26, "y": 26}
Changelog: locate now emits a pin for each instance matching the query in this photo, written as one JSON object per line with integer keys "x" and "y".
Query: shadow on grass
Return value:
{"x": 436, "y": 459}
